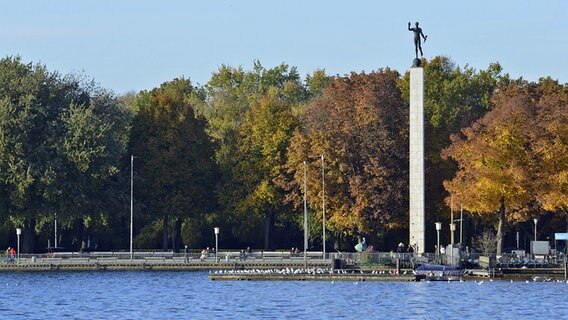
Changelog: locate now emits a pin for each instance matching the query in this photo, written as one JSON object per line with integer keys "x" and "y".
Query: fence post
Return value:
{"x": 397, "y": 265}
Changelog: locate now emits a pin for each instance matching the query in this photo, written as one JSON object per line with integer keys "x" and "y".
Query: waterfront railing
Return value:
{"x": 345, "y": 259}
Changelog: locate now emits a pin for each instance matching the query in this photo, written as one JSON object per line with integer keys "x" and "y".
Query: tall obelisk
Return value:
{"x": 416, "y": 169}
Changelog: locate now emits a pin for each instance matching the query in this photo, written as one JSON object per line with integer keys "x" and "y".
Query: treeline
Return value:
{"x": 235, "y": 153}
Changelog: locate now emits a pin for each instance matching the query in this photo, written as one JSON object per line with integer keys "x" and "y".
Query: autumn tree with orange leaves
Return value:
{"x": 360, "y": 125}
{"x": 513, "y": 160}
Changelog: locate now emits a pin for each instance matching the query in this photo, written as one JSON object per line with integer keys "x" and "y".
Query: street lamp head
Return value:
{"x": 452, "y": 226}
{"x": 535, "y": 220}
{"x": 438, "y": 226}
{"x": 18, "y": 231}
{"x": 216, "y": 229}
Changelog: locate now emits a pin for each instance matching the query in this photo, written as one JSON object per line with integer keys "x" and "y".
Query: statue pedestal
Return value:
{"x": 416, "y": 168}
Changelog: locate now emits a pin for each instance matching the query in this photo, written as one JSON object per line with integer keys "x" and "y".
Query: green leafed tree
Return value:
{"x": 234, "y": 97}
{"x": 61, "y": 139}
{"x": 263, "y": 140}
{"x": 175, "y": 160}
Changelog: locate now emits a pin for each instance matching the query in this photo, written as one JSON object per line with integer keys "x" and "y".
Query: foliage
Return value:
{"x": 252, "y": 116}
{"x": 242, "y": 139}
{"x": 61, "y": 139}
{"x": 359, "y": 124}
{"x": 550, "y": 146}
{"x": 174, "y": 160}
{"x": 508, "y": 158}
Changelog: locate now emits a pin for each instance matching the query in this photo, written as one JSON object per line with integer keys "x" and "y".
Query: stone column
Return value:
{"x": 416, "y": 169}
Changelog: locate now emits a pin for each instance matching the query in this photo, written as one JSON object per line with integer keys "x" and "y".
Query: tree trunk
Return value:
{"x": 79, "y": 231}
{"x": 165, "y": 233}
{"x": 28, "y": 236}
{"x": 176, "y": 231}
{"x": 500, "y": 227}
{"x": 269, "y": 221}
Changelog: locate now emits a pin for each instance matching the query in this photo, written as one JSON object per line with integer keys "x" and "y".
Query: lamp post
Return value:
{"x": 452, "y": 229}
{"x": 438, "y": 228}
{"x": 322, "y": 198}
{"x": 461, "y": 225}
{"x": 451, "y": 219}
{"x": 535, "y": 223}
{"x": 323, "y": 202}
{"x": 216, "y": 230}
{"x": 55, "y": 229}
{"x": 305, "y": 217}
{"x": 18, "y": 233}
{"x": 131, "y": 205}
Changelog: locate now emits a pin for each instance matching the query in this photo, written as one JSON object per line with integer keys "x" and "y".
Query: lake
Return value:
{"x": 190, "y": 295}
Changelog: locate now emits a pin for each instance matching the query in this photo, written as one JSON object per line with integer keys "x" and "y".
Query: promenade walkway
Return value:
{"x": 159, "y": 261}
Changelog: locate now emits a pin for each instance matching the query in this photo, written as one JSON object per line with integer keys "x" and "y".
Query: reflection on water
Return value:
{"x": 190, "y": 295}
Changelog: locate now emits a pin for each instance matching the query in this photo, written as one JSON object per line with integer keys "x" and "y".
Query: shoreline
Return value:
{"x": 251, "y": 270}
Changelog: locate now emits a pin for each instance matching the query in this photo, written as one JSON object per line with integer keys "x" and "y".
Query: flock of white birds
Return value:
{"x": 330, "y": 271}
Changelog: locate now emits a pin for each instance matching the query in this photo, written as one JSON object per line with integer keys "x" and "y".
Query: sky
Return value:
{"x": 133, "y": 45}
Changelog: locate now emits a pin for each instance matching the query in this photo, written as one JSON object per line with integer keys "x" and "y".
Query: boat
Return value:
{"x": 438, "y": 272}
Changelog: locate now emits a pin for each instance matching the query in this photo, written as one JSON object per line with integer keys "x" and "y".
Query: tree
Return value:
{"x": 174, "y": 157}
{"x": 232, "y": 91}
{"x": 507, "y": 159}
{"x": 550, "y": 146}
{"x": 60, "y": 142}
{"x": 232, "y": 94}
{"x": 263, "y": 140}
{"x": 360, "y": 124}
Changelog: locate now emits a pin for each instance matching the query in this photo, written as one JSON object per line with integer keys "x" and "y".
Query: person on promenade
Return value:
{"x": 12, "y": 255}
{"x": 8, "y": 255}
{"x": 204, "y": 254}
{"x": 186, "y": 254}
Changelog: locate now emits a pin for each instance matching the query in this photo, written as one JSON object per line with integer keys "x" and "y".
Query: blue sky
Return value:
{"x": 137, "y": 45}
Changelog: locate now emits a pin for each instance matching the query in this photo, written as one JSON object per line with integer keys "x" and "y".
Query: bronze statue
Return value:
{"x": 417, "y": 41}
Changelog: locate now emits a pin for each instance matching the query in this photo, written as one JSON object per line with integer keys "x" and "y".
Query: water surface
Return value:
{"x": 190, "y": 295}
